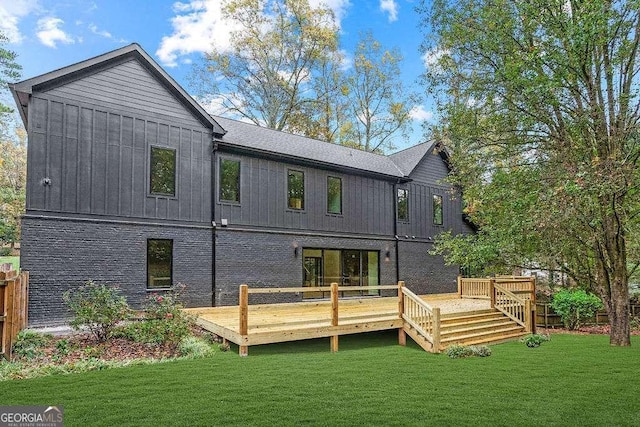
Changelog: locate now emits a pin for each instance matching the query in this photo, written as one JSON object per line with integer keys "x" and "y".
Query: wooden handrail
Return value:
{"x": 421, "y": 316}
{"x": 319, "y": 289}
{"x": 514, "y": 307}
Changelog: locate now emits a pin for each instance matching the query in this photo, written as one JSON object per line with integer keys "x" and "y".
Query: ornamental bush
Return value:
{"x": 575, "y": 307}
{"x": 534, "y": 340}
{"x": 99, "y": 308}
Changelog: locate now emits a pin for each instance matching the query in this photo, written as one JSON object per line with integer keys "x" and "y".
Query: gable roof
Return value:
{"x": 250, "y": 137}
{"x": 23, "y": 89}
{"x": 408, "y": 159}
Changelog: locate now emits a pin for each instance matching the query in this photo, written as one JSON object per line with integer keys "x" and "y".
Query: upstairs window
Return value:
{"x": 295, "y": 189}
{"x": 334, "y": 195}
{"x": 437, "y": 209}
{"x": 403, "y": 204}
{"x": 159, "y": 263}
{"x": 229, "y": 180}
{"x": 163, "y": 171}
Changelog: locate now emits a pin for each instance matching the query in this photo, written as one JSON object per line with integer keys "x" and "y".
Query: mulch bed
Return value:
{"x": 584, "y": 330}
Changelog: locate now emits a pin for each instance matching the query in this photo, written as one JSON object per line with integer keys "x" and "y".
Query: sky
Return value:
{"x": 50, "y": 34}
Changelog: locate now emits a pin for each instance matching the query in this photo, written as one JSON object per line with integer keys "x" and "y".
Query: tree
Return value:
{"x": 274, "y": 54}
{"x": 380, "y": 103}
{"x": 9, "y": 72}
{"x": 540, "y": 107}
{"x": 13, "y": 154}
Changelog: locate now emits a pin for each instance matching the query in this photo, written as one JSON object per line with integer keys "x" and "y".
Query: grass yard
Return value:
{"x": 15, "y": 260}
{"x": 572, "y": 380}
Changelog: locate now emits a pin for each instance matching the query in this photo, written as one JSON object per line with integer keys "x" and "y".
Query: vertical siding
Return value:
{"x": 97, "y": 162}
{"x": 366, "y": 202}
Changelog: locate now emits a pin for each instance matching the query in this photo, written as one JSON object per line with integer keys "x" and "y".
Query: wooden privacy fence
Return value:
{"x": 547, "y": 318}
{"x": 14, "y": 294}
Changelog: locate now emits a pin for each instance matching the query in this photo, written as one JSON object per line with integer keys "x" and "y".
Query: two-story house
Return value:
{"x": 131, "y": 183}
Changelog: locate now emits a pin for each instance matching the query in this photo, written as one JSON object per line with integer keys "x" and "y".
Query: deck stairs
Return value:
{"x": 488, "y": 326}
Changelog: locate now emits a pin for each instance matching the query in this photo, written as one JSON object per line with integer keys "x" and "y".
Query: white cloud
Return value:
{"x": 10, "y": 14}
{"x": 103, "y": 33}
{"x": 198, "y": 26}
{"x": 418, "y": 113}
{"x": 50, "y": 33}
{"x": 390, "y": 7}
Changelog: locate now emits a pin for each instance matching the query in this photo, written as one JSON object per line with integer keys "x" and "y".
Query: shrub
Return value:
{"x": 97, "y": 307}
{"x": 194, "y": 347}
{"x": 457, "y": 351}
{"x": 534, "y": 340}
{"x": 5, "y": 251}
{"x": 29, "y": 344}
{"x": 480, "y": 350}
{"x": 575, "y": 307}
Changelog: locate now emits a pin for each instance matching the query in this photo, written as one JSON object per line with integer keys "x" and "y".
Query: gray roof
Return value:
{"x": 407, "y": 159}
{"x": 265, "y": 140}
{"x": 23, "y": 89}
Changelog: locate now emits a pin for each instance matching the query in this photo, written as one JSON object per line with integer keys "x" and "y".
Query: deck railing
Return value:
{"x": 419, "y": 315}
{"x": 470, "y": 287}
{"x": 334, "y": 289}
{"x": 516, "y": 308}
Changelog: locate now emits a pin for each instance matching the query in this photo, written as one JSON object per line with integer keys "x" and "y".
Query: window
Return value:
{"x": 159, "y": 263}
{"x": 163, "y": 171}
{"x": 334, "y": 195}
{"x": 230, "y": 180}
{"x": 403, "y": 204}
{"x": 295, "y": 189}
{"x": 437, "y": 209}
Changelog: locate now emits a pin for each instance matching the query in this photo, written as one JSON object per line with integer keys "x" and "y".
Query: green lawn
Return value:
{"x": 572, "y": 380}
{"x": 15, "y": 260}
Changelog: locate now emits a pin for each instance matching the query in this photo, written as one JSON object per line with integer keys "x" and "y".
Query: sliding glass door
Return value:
{"x": 349, "y": 267}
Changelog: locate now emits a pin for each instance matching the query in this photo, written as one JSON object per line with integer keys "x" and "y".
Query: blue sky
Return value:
{"x": 49, "y": 34}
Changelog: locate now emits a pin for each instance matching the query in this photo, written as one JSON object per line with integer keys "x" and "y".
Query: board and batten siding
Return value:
{"x": 127, "y": 87}
{"x": 97, "y": 161}
{"x": 367, "y": 203}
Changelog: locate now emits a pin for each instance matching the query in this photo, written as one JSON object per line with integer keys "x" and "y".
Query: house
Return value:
{"x": 131, "y": 183}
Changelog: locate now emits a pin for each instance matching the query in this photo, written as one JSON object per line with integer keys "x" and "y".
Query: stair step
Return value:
{"x": 501, "y": 339}
{"x": 485, "y": 311}
{"x": 497, "y": 333}
{"x": 460, "y": 323}
{"x": 485, "y": 326}
{"x": 463, "y": 317}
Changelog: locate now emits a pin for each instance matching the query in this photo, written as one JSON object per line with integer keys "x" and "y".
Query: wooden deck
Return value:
{"x": 272, "y": 323}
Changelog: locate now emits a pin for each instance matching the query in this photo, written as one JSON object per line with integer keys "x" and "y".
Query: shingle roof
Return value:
{"x": 250, "y": 136}
{"x": 407, "y": 159}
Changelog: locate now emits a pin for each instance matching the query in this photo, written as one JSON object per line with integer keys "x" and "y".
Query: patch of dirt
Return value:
{"x": 584, "y": 330}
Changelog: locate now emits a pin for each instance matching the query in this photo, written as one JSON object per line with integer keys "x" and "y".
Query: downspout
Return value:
{"x": 213, "y": 221}
{"x": 395, "y": 228}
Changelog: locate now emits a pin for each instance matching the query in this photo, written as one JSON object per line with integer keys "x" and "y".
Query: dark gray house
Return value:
{"x": 131, "y": 182}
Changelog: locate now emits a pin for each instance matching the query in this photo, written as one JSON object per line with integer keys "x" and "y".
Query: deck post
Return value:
{"x": 244, "y": 318}
{"x": 436, "y": 329}
{"x": 492, "y": 292}
{"x": 334, "y": 315}
{"x": 533, "y": 304}
{"x": 527, "y": 318}
{"x": 459, "y": 286}
{"x": 402, "y": 335}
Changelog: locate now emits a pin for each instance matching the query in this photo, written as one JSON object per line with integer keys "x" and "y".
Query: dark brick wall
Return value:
{"x": 267, "y": 260}
{"x": 424, "y": 273}
{"x": 62, "y": 254}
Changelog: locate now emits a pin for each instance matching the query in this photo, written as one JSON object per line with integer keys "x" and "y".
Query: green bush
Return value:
{"x": 480, "y": 350}
{"x": 30, "y": 344}
{"x": 575, "y": 307}
{"x": 534, "y": 340}
{"x": 5, "y": 251}
{"x": 457, "y": 351}
{"x": 99, "y": 308}
{"x": 194, "y": 347}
